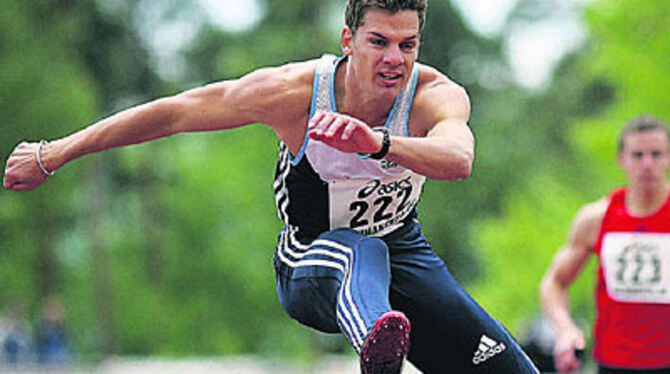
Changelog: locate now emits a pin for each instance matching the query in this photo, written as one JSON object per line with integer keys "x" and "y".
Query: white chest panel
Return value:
{"x": 371, "y": 196}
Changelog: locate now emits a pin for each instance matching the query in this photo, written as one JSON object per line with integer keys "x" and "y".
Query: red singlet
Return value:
{"x": 632, "y": 328}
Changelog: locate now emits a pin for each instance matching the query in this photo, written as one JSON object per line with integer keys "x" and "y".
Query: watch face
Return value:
{"x": 386, "y": 143}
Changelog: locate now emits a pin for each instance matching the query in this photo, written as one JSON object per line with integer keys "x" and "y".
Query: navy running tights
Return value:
{"x": 344, "y": 281}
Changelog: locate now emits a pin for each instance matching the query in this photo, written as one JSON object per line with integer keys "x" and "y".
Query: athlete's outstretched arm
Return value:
{"x": 566, "y": 267}
{"x": 441, "y": 145}
{"x": 261, "y": 96}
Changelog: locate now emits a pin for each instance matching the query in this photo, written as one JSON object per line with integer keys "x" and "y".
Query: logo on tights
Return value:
{"x": 487, "y": 349}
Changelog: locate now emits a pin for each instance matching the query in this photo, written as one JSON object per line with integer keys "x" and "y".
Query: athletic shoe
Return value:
{"x": 387, "y": 345}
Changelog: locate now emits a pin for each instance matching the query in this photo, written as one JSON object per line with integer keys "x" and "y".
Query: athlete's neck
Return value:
{"x": 355, "y": 100}
{"x": 641, "y": 202}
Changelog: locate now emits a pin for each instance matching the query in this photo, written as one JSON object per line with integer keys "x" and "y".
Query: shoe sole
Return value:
{"x": 387, "y": 345}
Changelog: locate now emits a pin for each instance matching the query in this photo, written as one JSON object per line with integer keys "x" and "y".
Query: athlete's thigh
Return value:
{"x": 318, "y": 285}
{"x": 450, "y": 331}
{"x": 310, "y": 300}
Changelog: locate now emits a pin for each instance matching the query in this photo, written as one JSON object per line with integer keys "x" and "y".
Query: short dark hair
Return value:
{"x": 355, "y": 11}
{"x": 640, "y": 124}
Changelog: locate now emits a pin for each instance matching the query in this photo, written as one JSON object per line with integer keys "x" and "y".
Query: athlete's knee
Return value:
{"x": 373, "y": 256}
{"x": 312, "y": 303}
{"x": 373, "y": 244}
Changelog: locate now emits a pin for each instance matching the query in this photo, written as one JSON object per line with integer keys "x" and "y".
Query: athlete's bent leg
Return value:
{"x": 339, "y": 283}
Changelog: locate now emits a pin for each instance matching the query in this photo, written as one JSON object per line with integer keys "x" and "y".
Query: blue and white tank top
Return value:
{"x": 321, "y": 188}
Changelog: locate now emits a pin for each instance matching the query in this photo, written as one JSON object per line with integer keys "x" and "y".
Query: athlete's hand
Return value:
{"x": 22, "y": 173}
{"x": 567, "y": 343}
{"x": 344, "y": 133}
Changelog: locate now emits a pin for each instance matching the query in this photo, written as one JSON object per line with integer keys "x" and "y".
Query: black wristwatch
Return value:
{"x": 386, "y": 144}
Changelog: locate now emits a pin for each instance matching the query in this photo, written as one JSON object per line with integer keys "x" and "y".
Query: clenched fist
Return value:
{"x": 22, "y": 172}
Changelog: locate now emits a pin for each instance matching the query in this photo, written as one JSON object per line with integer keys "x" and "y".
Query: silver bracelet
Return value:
{"x": 38, "y": 157}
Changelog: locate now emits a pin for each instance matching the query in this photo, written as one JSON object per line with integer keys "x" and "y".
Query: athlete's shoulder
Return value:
{"x": 589, "y": 218}
{"x": 594, "y": 211}
{"x": 277, "y": 94}
{"x": 438, "y": 98}
{"x": 431, "y": 78}
{"x": 433, "y": 85}
{"x": 291, "y": 74}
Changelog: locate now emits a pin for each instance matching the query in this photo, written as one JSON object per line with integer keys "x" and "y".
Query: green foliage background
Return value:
{"x": 622, "y": 72}
{"x": 165, "y": 248}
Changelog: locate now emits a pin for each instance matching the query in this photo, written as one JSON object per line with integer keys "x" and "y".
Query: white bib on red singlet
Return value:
{"x": 636, "y": 266}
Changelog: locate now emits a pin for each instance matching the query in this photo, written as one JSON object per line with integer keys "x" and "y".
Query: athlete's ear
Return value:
{"x": 619, "y": 159}
{"x": 347, "y": 39}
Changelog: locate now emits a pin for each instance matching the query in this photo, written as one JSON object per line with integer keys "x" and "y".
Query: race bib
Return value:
{"x": 637, "y": 267}
{"x": 374, "y": 207}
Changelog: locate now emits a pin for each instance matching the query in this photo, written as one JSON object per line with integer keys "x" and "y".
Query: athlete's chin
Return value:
{"x": 390, "y": 83}
{"x": 391, "y": 90}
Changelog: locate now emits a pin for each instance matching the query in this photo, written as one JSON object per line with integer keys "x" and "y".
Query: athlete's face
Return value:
{"x": 645, "y": 158}
{"x": 383, "y": 50}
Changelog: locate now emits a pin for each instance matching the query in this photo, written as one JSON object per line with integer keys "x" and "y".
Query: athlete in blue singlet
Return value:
{"x": 358, "y": 136}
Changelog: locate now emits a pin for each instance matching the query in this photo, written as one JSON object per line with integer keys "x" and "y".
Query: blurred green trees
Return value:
{"x": 166, "y": 248}
{"x": 623, "y": 72}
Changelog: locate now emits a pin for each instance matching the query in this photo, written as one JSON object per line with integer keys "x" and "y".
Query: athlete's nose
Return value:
{"x": 393, "y": 56}
{"x": 647, "y": 159}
